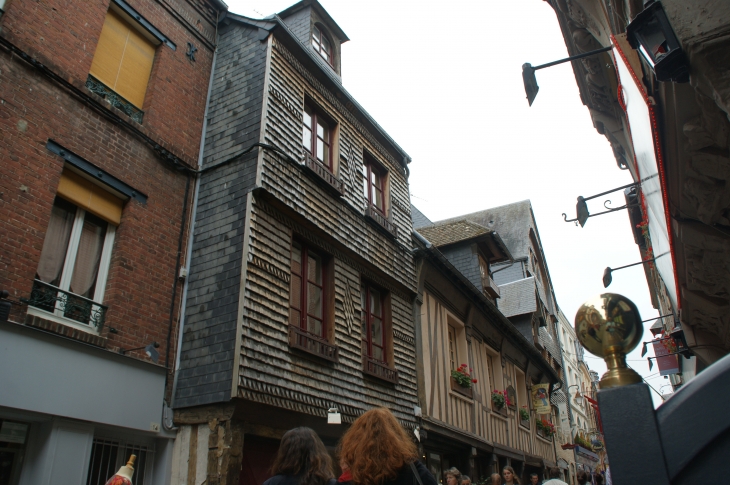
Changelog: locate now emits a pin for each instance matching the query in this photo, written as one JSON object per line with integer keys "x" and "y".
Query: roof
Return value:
{"x": 452, "y": 232}
{"x": 517, "y": 297}
{"x": 419, "y": 219}
{"x": 322, "y": 13}
{"x": 512, "y": 222}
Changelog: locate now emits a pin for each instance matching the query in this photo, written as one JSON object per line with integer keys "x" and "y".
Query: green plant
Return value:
{"x": 463, "y": 377}
{"x": 524, "y": 413}
{"x": 500, "y": 399}
{"x": 547, "y": 428}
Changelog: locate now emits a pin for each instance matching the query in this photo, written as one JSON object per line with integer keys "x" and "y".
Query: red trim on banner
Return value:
{"x": 659, "y": 158}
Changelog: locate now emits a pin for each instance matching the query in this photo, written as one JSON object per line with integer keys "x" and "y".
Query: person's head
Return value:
{"x": 554, "y": 472}
{"x": 465, "y": 480}
{"x": 508, "y": 473}
{"x": 534, "y": 479}
{"x": 581, "y": 477}
{"x": 453, "y": 476}
{"x": 598, "y": 478}
{"x": 496, "y": 479}
{"x": 376, "y": 446}
{"x": 301, "y": 453}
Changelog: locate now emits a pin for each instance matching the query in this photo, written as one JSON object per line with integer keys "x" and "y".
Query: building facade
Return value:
{"x": 298, "y": 308}
{"x": 483, "y": 426}
{"x": 669, "y": 131}
{"x": 98, "y": 162}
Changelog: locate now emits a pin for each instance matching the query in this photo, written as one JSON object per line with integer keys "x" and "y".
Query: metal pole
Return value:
{"x": 573, "y": 58}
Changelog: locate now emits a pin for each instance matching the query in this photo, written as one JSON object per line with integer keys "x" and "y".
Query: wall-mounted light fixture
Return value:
{"x": 528, "y": 72}
{"x": 333, "y": 416}
{"x": 150, "y": 350}
{"x": 607, "y": 273}
{"x": 581, "y": 208}
{"x": 651, "y": 34}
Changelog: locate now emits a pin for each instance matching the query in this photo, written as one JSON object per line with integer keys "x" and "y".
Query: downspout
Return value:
{"x": 193, "y": 215}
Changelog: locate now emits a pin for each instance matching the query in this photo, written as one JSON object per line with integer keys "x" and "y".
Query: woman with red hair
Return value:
{"x": 377, "y": 451}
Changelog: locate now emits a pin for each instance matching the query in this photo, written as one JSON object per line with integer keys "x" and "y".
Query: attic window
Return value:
{"x": 322, "y": 44}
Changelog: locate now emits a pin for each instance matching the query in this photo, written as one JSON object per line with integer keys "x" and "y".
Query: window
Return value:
{"x": 321, "y": 44}
{"x": 307, "y": 291}
{"x": 373, "y": 323}
{"x": 76, "y": 251}
{"x": 123, "y": 59}
{"x": 317, "y": 135}
{"x": 374, "y": 177}
{"x": 453, "y": 356}
{"x": 107, "y": 455}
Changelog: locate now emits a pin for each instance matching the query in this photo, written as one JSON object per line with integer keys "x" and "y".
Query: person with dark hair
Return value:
{"x": 555, "y": 477}
{"x": 598, "y": 479}
{"x": 378, "y": 451}
{"x": 510, "y": 477}
{"x": 465, "y": 480}
{"x": 581, "y": 477}
{"x": 534, "y": 479}
{"x": 302, "y": 459}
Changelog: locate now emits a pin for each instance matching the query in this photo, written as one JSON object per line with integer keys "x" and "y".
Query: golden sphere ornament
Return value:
{"x": 609, "y": 326}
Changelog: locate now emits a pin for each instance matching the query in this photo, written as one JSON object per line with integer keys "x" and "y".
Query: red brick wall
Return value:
{"x": 62, "y": 34}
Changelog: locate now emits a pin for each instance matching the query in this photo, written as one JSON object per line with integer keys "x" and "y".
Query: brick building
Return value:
{"x": 301, "y": 279}
{"x": 101, "y": 115}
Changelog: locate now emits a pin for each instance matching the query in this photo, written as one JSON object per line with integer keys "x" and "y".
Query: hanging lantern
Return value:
{"x": 651, "y": 33}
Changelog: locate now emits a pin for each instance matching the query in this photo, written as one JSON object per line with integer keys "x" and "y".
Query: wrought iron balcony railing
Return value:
{"x": 97, "y": 87}
{"x": 65, "y": 304}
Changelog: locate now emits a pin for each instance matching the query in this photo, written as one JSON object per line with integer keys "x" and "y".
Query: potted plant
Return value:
{"x": 500, "y": 399}
{"x": 546, "y": 428}
{"x": 524, "y": 414}
{"x": 463, "y": 377}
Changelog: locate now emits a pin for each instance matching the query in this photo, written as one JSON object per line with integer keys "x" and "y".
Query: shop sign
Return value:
{"x": 541, "y": 398}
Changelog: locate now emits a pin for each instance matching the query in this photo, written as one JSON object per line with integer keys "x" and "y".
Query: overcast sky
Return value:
{"x": 444, "y": 80}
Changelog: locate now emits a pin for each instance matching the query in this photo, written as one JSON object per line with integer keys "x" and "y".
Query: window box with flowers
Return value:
{"x": 500, "y": 401}
{"x": 462, "y": 380}
{"x": 545, "y": 428}
{"x": 525, "y": 417}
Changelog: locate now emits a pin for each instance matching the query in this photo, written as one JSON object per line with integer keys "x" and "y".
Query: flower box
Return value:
{"x": 464, "y": 391}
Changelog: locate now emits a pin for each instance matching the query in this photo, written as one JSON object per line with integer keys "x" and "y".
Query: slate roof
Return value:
{"x": 512, "y": 222}
{"x": 419, "y": 219}
{"x": 517, "y": 297}
{"x": 452, "y": 232}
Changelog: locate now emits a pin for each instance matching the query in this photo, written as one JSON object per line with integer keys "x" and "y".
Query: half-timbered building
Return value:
{"x": 486, "y": 424}
{"x": 299, "y": 301}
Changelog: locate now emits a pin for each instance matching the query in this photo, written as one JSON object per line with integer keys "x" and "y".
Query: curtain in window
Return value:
{"x": 88, "y": 256}
{"x": 55, "y": 245}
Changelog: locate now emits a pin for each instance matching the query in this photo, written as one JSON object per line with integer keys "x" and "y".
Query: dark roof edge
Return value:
{"x": 321, "y": 11}
{"x": 517, "y": 337}
{"x": 406, "y": 159}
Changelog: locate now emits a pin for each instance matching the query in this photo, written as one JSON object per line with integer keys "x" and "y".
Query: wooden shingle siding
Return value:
{"x": 234, "y": 115}
{"x": 270, "y": 372}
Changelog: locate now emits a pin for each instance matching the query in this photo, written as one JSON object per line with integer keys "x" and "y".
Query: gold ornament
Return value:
{"x": 609, "y": 326}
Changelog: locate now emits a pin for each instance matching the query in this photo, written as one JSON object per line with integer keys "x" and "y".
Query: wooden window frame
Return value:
{"x": 303, "y": 296}
{"x": 383, "y": 369}
{"x": 453, "y": 347}
{"x": 367, "y": 320}
{"x": 370, "y": 166}
{"x": 315, "y": 113}
{"x": 319, "y": 48}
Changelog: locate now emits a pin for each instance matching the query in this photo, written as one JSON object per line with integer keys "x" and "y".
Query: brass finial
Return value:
{"x": 609, "y": 326}
{"x": 130, "y": 462}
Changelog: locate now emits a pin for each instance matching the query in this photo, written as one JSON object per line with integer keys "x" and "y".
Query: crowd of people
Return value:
{"x": 376, "y": 450}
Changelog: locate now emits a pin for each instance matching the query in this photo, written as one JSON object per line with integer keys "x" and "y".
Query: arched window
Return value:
{"x": 322, "y": 44}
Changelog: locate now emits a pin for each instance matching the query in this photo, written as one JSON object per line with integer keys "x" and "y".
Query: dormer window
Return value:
{"x": 322, "y": 44}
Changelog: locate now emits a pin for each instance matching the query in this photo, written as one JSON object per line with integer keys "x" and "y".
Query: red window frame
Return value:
{"x": 374, "y": 183}
{"x": 369, "y": 317}
{"x": 315, "y": 140}
{"x": 322, "y": 44}
{"x": 299, "y": 298}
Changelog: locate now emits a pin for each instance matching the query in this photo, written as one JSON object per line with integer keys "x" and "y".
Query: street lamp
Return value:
{"x": 651, "y": 33}
{"x": 581, "y": 208}
{"x": 607, "y": 273}
{"x": 578, "y": 398}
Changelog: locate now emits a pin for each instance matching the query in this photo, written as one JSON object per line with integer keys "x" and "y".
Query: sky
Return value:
{"x": 444, "y": 80}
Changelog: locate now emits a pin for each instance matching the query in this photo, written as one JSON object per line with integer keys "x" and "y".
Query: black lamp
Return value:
{"x": 150, "y": 350}
{"x": 651, "y": 34}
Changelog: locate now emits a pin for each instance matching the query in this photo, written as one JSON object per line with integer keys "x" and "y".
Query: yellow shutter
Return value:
{"x": 90, "y": 197}
{"x": 123, "y": 59}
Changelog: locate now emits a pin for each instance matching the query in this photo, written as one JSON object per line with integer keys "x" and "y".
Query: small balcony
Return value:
{"x": 490, "y": 287}
{"x": 379, "y": 369}
{"x": 67, "y": 305}
{"x": 299, "y": 339}
{"x": 382, "y": 222}
{"x": 326, "y": 177}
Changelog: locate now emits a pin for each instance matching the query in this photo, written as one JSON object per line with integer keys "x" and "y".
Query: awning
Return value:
{"x": 508, "y": 452}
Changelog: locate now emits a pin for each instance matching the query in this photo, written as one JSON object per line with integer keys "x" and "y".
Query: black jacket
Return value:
{"x": 292, "y": 480}
{"x": 405, "y": 476}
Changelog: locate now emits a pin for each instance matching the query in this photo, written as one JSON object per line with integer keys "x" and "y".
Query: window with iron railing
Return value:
{"x": 108, "y": 455}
